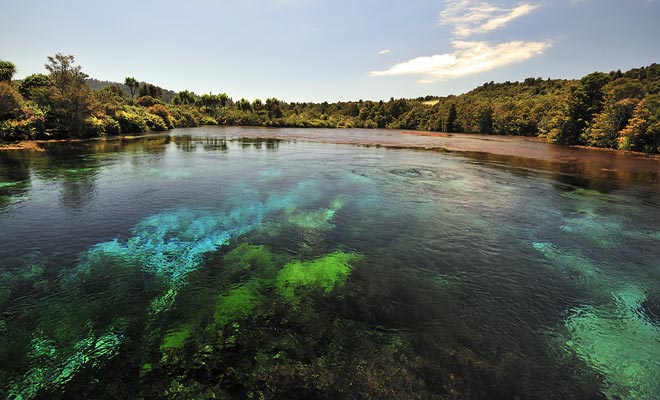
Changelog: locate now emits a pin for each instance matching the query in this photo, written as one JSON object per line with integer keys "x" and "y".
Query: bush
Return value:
{"x": 186, "y": 118}
{"x": 111, "y": 126}
{"x": 208, "y": 120}
{"x": 94, "y": 127}
{"x": 154, "y": 122}
{"x": 13, "y": 129}
{"x": 11, "y": 102}
{"x": 130, "y": 122}
{"x": 164, "y": 113}
{"x": 147, "y": 101}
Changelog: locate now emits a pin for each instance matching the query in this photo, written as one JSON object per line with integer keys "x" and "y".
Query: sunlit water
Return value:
{"x": 254, "y": 263}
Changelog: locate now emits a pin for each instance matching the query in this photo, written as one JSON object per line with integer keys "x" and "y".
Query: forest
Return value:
{"x": 618, "y": 110}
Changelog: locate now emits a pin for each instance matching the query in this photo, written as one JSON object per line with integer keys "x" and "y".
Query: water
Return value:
{"x": 284, "y": 263}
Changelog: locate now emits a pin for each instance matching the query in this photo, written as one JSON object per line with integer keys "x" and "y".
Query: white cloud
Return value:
{"x": 470, "y": 17}
{"x": 468, "y": 58}
{"x": 385, "y": 51}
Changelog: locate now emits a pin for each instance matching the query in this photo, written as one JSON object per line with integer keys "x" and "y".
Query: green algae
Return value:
{"x": 620, "y": 344}
{"x": 614, "y": 338}
{"x": 8, "y": 184}
{"x": 576, "y": 266}
{"x": 324, "y": 273}
{"x": 256, "y": 260}
{"x": 238, "y": 303}
{"x": 54, "y": 369}
{"x": 176, "y": 338}
{"x": 318, "y": 219}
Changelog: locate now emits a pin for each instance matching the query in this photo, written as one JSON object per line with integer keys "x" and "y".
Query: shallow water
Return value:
{"x": 285, "y": 263}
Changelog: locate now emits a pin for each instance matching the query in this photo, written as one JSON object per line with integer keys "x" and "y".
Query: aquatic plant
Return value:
{"x": 238, "y": 303}
{"x": 176, "y": 338}
{"x": 615, "y": 339}
{"x": 170, "y": 245}
{"x": 52, "y": 369}
{"x": 252, "y": 260}
{"x": 618, "y": 342}
{"x": 319, "y": 219}
{"x": 579, "y": 268}
{"x": 323, "y": 273}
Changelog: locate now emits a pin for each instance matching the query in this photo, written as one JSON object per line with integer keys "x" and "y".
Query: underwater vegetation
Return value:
{"x": 167, "y": 246}
{"x": 617, "y": 341}
{"x": 324, "y": 273}
{"x": 611, "y": 333}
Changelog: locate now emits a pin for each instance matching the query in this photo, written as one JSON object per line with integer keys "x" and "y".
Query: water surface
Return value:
{"x": 286, "y": 263}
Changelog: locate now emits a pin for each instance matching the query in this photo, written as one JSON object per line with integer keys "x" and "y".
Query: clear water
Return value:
{"x": 283, "y": 263}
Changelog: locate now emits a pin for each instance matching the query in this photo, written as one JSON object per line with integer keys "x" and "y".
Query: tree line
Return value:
{"x": 618, "y": 110}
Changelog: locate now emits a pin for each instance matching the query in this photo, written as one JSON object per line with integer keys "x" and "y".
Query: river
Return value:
{"x": 293, "y": 263}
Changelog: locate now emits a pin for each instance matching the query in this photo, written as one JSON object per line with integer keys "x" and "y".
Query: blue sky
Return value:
{"x": 317, "y": 50}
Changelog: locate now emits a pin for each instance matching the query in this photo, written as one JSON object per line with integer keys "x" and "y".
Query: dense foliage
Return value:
{"x": 615, "y": 110}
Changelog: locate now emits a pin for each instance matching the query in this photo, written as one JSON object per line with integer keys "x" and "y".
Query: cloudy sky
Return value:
{"x": 316, "y": 50}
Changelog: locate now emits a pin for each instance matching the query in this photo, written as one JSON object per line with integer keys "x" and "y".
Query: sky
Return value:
{"x": 322, "y": 50}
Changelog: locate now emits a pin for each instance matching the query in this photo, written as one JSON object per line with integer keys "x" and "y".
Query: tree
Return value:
{"x": 71, "y": 99}
{"x": 11, "y": 103}
{"x": 244, "y": 105}
{"x": 223, "y": 99}
{"x": 184, "y": 97}
{"x": 209, "y": 101}
{"x": 7, "y": 71}
{"x": 148, "y": 89}
{"x": 450, "y": 124}
{"x": 585, "y": 101}
{"x": 63, "y": 74}
{"x": 33, "y": 86}
{"x": 643, "y": 130}
{"x": 132, "y": 84}
{"x": 485, "y": 120}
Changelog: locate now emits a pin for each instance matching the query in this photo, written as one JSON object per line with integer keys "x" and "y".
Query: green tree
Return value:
{"x": 11, "y": 102}
{"x": 485, "y": 120}
{"x": 184, "y": 97}
{"x": 244, "y": 105}
{"x": 274, "y": 108}
{"x": 132, "y": 84}
{"x": 148, "y": 89}
{"x": 71, "y": 99}
{"x": 34, "y": 86}
{"x": 7, "y": 71}
{"x": 210, "y": 101}
{"x": 643, "y": 130}
{"x": 450, "y": 122}
{"x": 584, "y": 102}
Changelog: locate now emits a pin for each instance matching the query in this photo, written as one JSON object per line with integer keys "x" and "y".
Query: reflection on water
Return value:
{"x": 258, "y": 263}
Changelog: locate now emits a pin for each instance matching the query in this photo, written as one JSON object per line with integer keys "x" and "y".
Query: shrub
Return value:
{"x": 94, "y": 127}
{"x": 208, "y": 120}
{"x": 131, "y": 122}
{"x": 147, "y": 101}
{"x": 164, "y": 113}
{"x": 11, "y": 102}
{"x": 111, "y": 126}
{"x": 154, "y": 122}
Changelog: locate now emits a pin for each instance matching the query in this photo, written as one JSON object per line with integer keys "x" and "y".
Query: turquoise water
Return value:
{"x": 284, "y": 263}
